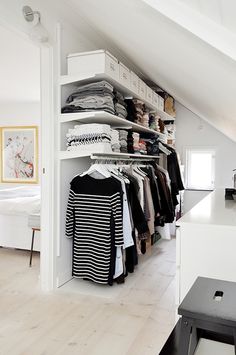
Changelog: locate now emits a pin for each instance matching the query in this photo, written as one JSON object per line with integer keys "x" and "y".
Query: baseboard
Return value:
{"x": 64, "y": 278}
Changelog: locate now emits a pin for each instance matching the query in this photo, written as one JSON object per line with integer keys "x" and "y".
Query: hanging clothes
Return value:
{"x": 112, "y": 218}
{"x": 94, "y": 220}
{"x": 175, "y": 174}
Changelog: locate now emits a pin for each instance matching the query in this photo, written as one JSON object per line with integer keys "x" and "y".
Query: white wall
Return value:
{"x": 20, "y": 114}
{"x": 193, "y": 131}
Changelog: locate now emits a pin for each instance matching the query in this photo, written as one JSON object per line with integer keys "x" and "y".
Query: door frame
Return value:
{"x": 47, "y": 257}
{"x": 47, "y": 100}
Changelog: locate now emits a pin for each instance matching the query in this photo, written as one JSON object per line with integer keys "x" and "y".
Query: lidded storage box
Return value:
{"x": 161, "y": 103}
{"x": 100, "y": 61}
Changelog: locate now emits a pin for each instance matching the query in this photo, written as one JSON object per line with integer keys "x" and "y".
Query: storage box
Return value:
{"x": 149, "y": 94}
{"x": 160, "y": 103}
{"x": 100, "y": 61}
{"x": 142, "y": 88}
{"x": 124, "y": 75}
{"x": 155, "y": 99}
{"x": 134, "y": 82}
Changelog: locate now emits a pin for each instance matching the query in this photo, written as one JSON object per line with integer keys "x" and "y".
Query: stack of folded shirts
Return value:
{"x": 88, "y": 134}
{"x": 154, "y": 122}
{"x": 131, "y": 116}
{"x": 123, "y": 135}
{"x": 140, "y": 110}
{"x": 145, "y": 120}
{"x": 120, "y": 105}
{"x": 89, "y": 97}
{"x": 130, "y": 142}
{"x": 115, "y": 142}
{"x": 152, "y": 143}
{"x": 136, "y": 142}
{"x": 137, "y": 112}
{"x": 142, "y": 147}
{"x": 161, "y": 125}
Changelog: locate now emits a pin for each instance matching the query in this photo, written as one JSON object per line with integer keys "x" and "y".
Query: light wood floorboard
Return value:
{"x": 83, "y": 318}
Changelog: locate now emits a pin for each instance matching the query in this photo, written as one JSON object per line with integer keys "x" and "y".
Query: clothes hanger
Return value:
{"x": 140, "y": 171}
{"x": 99, "y": 168}
{"x": 164, "y": 149}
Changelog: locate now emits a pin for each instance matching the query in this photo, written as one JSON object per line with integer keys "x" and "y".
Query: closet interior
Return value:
{"x": 119, "y": 174}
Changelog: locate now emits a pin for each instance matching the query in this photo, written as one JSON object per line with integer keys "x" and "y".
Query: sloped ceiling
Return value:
{"x": 220, "y": 11}
{"x": 192, "y": 68}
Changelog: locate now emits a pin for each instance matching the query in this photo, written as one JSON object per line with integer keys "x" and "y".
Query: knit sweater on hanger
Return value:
{"x": 94, "y": 220}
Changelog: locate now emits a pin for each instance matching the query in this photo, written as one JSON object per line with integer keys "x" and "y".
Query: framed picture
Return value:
{"x": 19, "y": 154}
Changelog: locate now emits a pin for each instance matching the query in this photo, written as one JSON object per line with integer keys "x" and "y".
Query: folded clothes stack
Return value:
{"x": 154, "y": 122}
{"x": 123, "y": 136}
{"x": 91, "y": 97}
{"x": 140, "y": 110}
{"x": 145, "y": 120}
{"x": 162, "y": 126}
{"x": 131, "y": 112}
{"x": 137, "y": 112}
{"x": 86, "y": 135}
{"x": 120, "y": 105}
{"x": 136, "y": 142}
{"x": 115, "y": 143}
{"x": 142, "y": 147}
{"x": 130, "y": 142}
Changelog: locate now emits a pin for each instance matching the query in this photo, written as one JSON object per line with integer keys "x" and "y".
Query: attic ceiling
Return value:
{"x": 19, "y": 70}
{"x": 220, "y": 11}
{"x": 199, "y": 72}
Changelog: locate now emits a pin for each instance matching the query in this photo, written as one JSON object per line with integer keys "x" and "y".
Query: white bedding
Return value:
{"x": 20, "y": 191}
{"x": 20, "y": 201}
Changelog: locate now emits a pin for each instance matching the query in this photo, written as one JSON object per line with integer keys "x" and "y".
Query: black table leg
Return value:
{"x": 185, "y": 333}
{"x": 32, "y": 248}
{"x": 194, "y": 340}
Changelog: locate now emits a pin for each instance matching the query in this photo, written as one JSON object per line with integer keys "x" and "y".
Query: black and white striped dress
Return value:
{"x": 94, "y": 220}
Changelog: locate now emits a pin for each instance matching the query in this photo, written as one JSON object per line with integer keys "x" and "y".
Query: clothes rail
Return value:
{"x": 124, "y": 156}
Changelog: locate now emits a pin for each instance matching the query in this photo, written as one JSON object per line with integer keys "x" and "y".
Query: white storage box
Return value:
{"x": 155, "y": 99}
{"x": 142, "y": 88}
{"x": 97, "y": 62}
{"x": 124, "y": 75}
{"x": 134, "y": 82}
{"x": 160, "y": 103}
{"x": 149, "y": 94}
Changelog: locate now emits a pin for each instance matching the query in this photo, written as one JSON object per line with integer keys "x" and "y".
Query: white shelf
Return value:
{"x": 86, "y": 78}
{"x": 91, "y": 77}
{"x": 74, "y": 154}
{"x": 104, "y": 117}
{"x": 164, "y": 116}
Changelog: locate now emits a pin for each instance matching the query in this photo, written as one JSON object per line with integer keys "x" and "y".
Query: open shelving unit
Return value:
{"x": 72, "y": 163}
{"x": 87, "y": 78}
{"x": 104, "y": 117}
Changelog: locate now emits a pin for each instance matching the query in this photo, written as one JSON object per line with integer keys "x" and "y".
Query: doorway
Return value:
{"x": 26, "y": 102}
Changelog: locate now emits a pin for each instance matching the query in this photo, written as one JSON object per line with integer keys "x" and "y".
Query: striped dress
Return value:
{"x": 94, "y": 220}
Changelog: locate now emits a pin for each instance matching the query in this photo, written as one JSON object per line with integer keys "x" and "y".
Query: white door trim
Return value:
{"x": 47, "y": 257}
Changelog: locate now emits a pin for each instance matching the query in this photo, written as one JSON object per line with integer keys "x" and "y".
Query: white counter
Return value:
{"x": 206, "y": 242}
{"x": 213, "y": 209}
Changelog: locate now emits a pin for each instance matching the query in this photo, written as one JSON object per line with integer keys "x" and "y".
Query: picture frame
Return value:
{"x": 19, "y": 154}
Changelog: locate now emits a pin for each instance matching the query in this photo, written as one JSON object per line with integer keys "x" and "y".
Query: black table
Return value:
{"x": 208, "y": 311}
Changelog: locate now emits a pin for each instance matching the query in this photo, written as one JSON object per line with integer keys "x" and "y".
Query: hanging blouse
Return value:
{"x": 94, "y": 220}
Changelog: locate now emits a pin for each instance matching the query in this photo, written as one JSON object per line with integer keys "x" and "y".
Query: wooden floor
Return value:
{"x": 82, "y": 318}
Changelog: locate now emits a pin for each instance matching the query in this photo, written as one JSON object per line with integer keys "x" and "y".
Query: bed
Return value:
{"x": 16, "y": 205}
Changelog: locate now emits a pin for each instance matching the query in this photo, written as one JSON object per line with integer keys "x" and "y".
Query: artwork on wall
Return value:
{"x": 19, "y": 154}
